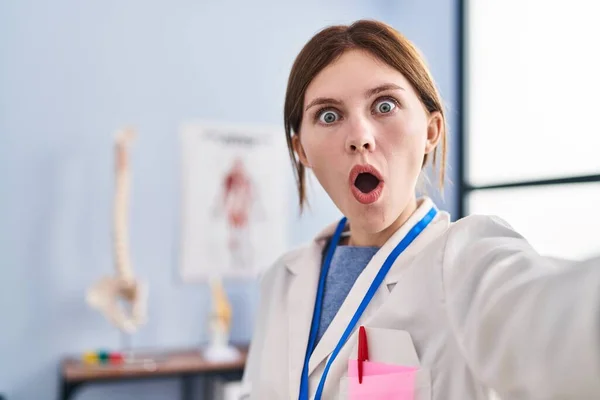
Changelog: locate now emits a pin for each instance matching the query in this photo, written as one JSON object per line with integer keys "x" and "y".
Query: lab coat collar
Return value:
{"x": 320, "y": 241}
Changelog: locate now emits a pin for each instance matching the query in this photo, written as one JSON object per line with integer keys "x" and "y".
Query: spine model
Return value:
{"x": 109, "y": 293}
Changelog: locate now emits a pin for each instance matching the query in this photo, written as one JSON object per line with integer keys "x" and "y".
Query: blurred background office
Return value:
{"x": 520, "y": 79}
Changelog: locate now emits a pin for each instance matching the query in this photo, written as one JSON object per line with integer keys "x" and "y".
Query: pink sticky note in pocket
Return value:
{"x": 381, "y": 381}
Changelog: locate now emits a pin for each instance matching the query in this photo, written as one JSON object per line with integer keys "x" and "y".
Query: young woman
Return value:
{"x": 437, "y": 310}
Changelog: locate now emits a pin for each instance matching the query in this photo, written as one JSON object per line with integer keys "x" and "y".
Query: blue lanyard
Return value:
{"x": 400, "y": 247}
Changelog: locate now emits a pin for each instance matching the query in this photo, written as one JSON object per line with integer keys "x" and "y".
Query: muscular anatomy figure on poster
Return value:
{"x": 237, "y": 203}
{"x": 234, "y": 200}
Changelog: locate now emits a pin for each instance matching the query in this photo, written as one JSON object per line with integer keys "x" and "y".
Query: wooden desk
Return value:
{"x": 182, "y": 364}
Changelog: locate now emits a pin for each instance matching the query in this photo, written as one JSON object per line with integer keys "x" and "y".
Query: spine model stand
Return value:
{"x": 219, "y": 349}
{"x": 121, "y": 298}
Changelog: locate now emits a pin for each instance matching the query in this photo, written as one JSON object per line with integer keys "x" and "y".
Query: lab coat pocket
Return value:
{"x": 392, "y": 370}
{"x": 389, "y": 346}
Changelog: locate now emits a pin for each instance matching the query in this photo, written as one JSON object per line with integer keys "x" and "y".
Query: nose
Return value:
{"x": 360, "y": 140}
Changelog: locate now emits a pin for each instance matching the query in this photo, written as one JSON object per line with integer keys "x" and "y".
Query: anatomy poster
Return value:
{"x": 234, "y": 200}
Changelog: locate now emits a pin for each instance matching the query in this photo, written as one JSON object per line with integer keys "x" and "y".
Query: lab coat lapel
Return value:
{"x": 435, "y": 228}
{"x": 339, "y": 323}
{"x": 301, "y": 302}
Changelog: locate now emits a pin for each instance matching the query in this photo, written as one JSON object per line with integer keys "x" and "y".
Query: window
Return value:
{"x": 531, "y": 126}
{"x": 547, "y": 215}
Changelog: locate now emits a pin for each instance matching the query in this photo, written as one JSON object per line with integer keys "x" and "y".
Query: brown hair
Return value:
{"x": 380, "y": 40}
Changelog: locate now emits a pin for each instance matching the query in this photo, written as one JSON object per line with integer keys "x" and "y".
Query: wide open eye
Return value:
{"x": 328, "y": 117}
{"x": 385, "y": 106}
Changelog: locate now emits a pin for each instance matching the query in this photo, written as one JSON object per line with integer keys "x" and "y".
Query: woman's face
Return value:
{"x": 364, "y": 134}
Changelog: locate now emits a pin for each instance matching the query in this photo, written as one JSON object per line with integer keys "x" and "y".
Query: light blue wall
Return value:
{"x": 71, "y": 72}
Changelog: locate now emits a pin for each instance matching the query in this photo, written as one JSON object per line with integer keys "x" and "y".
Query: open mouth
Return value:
{"x": 366, "y": 182}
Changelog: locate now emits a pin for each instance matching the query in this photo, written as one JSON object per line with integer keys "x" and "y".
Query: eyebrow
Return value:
{"x": 368, "y": 93}
{"x": 382, "y": 88}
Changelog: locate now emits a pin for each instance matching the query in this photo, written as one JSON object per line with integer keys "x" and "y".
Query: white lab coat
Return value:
{"x": 470, "y": 303}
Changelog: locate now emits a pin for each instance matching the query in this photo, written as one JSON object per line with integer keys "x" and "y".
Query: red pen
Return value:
{"x": 363, "y": 351}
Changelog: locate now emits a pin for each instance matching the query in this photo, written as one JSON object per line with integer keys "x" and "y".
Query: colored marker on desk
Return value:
{"x": 90, "y": 357}
{"x": 363, "y": 351}
{"x": 102, "y": 357}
